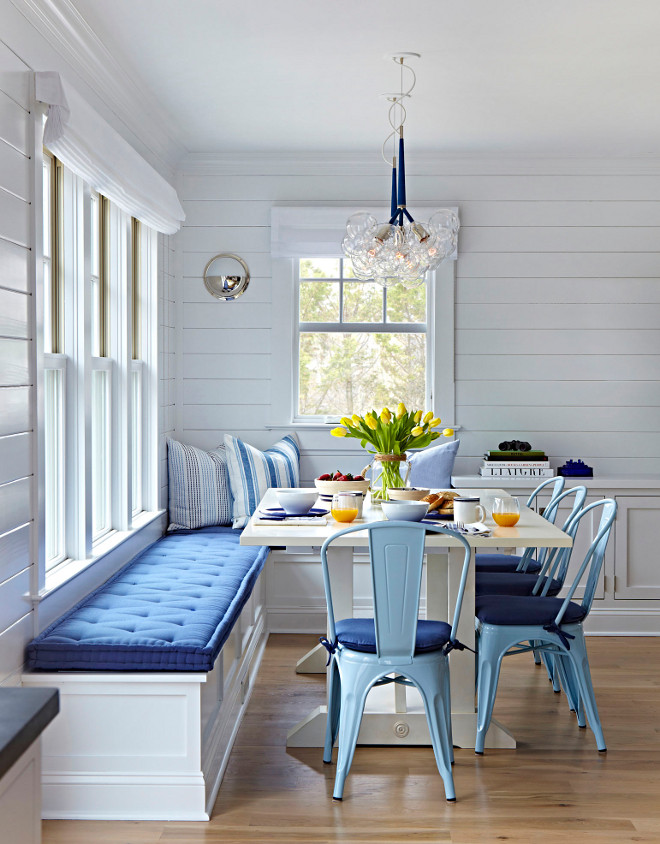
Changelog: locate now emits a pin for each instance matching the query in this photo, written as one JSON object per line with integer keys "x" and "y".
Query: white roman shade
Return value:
{"x": 317, "y": 232}
{"x": 86, "y": 144}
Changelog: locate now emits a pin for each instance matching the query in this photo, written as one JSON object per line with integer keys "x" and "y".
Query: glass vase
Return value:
{"x": 388, "y": 471}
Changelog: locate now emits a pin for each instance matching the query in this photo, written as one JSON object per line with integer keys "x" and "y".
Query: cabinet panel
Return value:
{"x": 587, "y": 530}
{"x": 636, "y": 570}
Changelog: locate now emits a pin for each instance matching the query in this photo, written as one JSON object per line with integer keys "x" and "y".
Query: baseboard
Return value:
{"x": 297, "y": 620}
{"x": 612, "y": 621}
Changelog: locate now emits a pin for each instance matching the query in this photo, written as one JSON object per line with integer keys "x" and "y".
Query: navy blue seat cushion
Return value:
{"x": 358, "y": 634}
{"x": 516, "y": 609}
{"x": 516, "y": 583}
{"x": 170, "y": 609}
{"x": 502, "y": 562}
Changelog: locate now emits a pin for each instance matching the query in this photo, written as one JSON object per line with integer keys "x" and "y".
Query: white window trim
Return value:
{"x": 83, "y": 553}
{"x": 440, "y": 346}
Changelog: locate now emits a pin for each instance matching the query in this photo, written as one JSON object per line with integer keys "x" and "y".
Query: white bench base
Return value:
{"x": 148, "y": 746}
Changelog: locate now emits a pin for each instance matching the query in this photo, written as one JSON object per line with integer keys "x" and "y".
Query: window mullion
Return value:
{"x": 119, "y": 336}
{"x": 76, "y": 317}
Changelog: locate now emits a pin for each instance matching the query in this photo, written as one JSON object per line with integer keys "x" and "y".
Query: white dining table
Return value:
{"x": 398, "y": 717}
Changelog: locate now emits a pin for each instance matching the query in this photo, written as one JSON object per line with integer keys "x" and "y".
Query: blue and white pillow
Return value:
{"x": 199, "y": 491}
{"x": 251, "y": 472}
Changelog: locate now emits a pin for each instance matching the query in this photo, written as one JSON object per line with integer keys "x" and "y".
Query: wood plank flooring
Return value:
{"x": 555, "y": 787}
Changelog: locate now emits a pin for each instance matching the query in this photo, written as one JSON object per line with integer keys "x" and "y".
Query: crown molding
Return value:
{"x": 62, "y": 25}
{"x": 368, "y": 164}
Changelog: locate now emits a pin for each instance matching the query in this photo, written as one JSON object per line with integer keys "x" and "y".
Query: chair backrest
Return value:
{"x": 554, "y": 562}
{"x": 557, "y": 487}
{"x": 550, "y": 514}
{"x": 594, "y": 557}
{"x": 396, "y": 551}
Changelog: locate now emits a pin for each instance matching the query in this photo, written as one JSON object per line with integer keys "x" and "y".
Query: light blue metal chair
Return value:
{"x": 553, "y": 562}
{"x": 526, "y": 563}
{"x": 364, "y": 651}
{"x": 554, "y": 625}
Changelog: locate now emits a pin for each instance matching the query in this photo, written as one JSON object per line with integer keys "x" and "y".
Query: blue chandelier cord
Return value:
{"x": 393, "y": 204}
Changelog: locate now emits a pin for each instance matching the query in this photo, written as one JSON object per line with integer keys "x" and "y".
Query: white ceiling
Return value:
{"x": 530, "y": 77}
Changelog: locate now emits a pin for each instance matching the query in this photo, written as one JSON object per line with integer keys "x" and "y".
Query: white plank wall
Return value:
{"x": 16, "y": 468}
{"x": 557, "y": 304}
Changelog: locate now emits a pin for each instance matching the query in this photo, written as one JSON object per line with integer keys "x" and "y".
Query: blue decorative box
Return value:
{"x": 575, "y": 469}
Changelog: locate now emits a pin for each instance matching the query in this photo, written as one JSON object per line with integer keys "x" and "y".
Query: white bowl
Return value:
{"x": 407, "y": 494}
{"x": 297, "y": 501}
{"x": 405, "y": 511}
{"x": 330, "y": 487}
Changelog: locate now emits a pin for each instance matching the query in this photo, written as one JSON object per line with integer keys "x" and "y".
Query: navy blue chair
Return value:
{"x": 524, "y": 563}
{"x": 555, "y": 626}
{"x": 553, "y": 563}
{"x": 364, "y": 652}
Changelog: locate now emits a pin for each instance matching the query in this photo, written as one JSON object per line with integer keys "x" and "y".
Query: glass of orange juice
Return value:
{"x": 506, "y": 511}
{"x": 344, "y": 506}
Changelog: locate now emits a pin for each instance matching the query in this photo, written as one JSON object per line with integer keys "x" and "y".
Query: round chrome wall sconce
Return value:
{"x": 226, "y": 287}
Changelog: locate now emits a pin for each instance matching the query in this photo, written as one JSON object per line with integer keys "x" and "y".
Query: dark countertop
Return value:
{"x": 24, "y": 714}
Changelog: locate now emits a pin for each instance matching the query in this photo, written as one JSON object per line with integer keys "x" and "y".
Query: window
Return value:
{"x": 101, "y": 404}
{"x": 97, "y": 427}
{"x": 54, "y": 383}
{"x": 358, "y": 345}
{"x": 400, "y": 342}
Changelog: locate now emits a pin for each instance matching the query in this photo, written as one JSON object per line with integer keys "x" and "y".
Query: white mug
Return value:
{"x": 468, "y": 510}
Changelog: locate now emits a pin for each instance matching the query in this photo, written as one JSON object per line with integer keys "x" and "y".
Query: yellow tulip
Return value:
{"x": 428, "y": 416}
{"x": 371, "y": 422}
{"x": 385, "y": 416}
{"x": 356, "y": 419}
{"x": 417, "y": 416}
{"x": 401, "y": 410}
{"x": 416, "y": 432}
{"x": 432, "y": 424}
{"x": 346, "y": 421}
{"x": 338, "y": 432}
{"x": 448, "y": 432}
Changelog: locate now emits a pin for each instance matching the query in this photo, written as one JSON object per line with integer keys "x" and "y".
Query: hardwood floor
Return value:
{"x": 555, "y": 787}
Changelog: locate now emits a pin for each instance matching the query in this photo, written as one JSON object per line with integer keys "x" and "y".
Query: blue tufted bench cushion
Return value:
{"x": 170, "y": 609}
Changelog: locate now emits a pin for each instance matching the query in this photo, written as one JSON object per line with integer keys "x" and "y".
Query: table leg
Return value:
{"x": 340, "y": 563}
{"x": 407, "y": 723}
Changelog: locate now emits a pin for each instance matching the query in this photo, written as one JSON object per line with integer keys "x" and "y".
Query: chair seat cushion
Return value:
{"x": 514, "y": 583}
{"x": 502, "y": 562}
{"x": 170, "y": 609}
{"x": 358, "y": 634}
{"x": 516, "y": 610}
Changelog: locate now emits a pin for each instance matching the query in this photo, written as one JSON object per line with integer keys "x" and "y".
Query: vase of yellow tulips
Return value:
{"x": 390, "y": 435}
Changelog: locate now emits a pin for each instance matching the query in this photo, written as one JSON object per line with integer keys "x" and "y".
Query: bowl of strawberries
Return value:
{"x": 331, "y": 482}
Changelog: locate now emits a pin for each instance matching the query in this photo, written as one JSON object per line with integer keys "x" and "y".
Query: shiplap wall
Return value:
{"x": 15, "y": 372}
{"x": 557, "y": 304}
{"x": 18, "y": 622}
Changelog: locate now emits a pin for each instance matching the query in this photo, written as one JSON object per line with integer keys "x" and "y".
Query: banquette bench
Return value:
{"x": 154, "y": 669}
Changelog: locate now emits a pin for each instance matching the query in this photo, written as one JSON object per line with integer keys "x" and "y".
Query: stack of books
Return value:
{"x": 516, "y": 464}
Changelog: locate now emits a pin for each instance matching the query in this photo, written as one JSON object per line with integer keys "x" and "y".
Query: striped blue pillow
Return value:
{"x": 199, "y": 492}
{"x": 251, "y": 472}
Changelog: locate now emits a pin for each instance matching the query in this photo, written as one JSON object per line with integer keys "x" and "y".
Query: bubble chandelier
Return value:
{"x": 401, "y": 250}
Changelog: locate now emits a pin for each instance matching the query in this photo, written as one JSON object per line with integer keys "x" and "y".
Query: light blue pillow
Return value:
{"x": 199, "y": 492}
{"x": 432, "y": 468}
{"x": 252, "y": 471}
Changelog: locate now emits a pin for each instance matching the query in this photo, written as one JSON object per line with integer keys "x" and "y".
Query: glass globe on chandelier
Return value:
{"x": 401, "y": 250}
